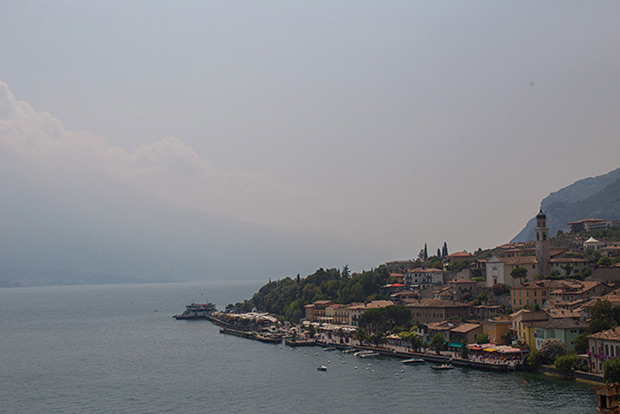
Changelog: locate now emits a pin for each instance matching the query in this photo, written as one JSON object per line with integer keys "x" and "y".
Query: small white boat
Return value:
{"x": 329, "y": 348}
{"x": 372, "y": 354}
{"x": 442, "y": 366}
{"x": 414, "y": 361}
{"x": 322, "y": 368}
{"x": 365, "y": 352}
{"x": 348, "y": 351}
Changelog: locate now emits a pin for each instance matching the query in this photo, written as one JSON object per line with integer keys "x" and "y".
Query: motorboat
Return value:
{"x": 369, "y": 355}
{"x": 322, "y": 368}
{"x": 442, "y": 367}
{"x": 364, "y": 352}
{"x": 414, "y": 361}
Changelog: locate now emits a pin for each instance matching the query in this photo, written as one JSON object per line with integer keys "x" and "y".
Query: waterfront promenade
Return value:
{"x": 476, "y": 360}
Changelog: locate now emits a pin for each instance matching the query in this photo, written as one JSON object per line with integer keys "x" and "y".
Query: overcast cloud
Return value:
{"x": 391, "y": 124}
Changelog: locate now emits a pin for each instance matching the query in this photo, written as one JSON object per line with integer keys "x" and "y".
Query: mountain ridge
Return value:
{"x": 592, "y": 197}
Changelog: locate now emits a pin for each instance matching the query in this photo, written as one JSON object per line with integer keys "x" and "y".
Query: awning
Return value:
{"x": 489, "y": 349}
{"x": 511, "y": 350}
{"x": 456, "y": 345}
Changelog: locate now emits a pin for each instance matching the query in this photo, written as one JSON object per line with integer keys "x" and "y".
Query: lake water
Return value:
{"x": 102, "y": 349}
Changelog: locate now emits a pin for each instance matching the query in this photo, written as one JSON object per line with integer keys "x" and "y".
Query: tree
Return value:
{"x": 438, "y": 252}
{"x": 464, "y": 352}
{"x": 437, "y": 342}
{"x": 533, "y": 361}
{"x": 567, "y": 364}
{"x": 482, "y": 338}
{"x": 361, "y": 335}
{"x": 603, "y": 316}
{"x": 519, "y": 273}
{"x": 499, "y": 289}
{"x": 552, "y": 348}
{"x": 611, "y": 371}
{"x": 581, "y": 343}
{"x": 444, "y": 251}
{"x": 372, "y": 319}
{"x": 413, "y": 338}
{"x": 425, "y": 251}
{"x": 346, "y": 272}
{"x": 377, "y": 338}
{"x": 508, "y": 336}
{"x": 605, "y": 262}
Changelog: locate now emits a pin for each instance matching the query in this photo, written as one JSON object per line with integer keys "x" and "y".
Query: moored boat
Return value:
{"x": 364, "y": 352}
{"x": 370, "y": 355}
{"x": 442, "y": 367}
{"x": 414, "y": 361}
{"x": 196, "y": 311}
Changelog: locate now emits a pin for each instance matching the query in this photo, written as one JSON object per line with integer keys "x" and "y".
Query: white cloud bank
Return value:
{"x": 166, "y": 168}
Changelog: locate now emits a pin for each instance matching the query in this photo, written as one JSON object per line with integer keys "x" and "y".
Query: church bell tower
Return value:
{"x": 542, "y": 243}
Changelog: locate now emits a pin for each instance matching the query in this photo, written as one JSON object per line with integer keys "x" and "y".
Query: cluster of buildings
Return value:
{"x": 533, "y": 311}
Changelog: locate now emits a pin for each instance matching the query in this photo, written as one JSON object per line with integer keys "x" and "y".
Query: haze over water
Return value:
{"x": 115, "y": 348}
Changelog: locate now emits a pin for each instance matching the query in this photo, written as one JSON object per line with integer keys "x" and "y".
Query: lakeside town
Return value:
{"x": 525, "y": 306}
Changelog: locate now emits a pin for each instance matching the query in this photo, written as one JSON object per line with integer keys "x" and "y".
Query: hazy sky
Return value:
{"x": 388, "y": 123}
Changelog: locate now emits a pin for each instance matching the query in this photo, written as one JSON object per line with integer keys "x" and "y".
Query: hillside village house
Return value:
{"x": 355, "y": 311}
{"x": 484, "y": 312}
{"x": 459, "y": 257}
{"x": 522, "y": 325}
{"x": 463, "y": 290}
{"x": 496, "y": 328}
{"x": 315, "y": 312}
{"x": 589, "y": 224}
{"x": 423, "y": 277}
{"x": 566, "y": 330}
{"x": 531, "y": 294}
{"x": 601, "y": 347}
{"x": 437, "y": 310}
{"x": 337, "y": 314}
{"x": 570, "y": 292}
{"x": 499, "y": 269}
{"x": 466, "y": 333}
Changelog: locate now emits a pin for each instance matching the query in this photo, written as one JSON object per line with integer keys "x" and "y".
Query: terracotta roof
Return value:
{"x": 568, "y": 260}
{"x": 611, "y": 334}
{"x": 457, "y": 281}
{"x": 577, "y": 288}
{"x": 537, "y": 284}
{"x": 466, "y": 327}
{"x": 437, "y": 303}
{"x": 563, "y": 323}
{"x": 519, "y": 260}
{"x": 440, "y": 326}
{"x": 592, "y": 220}
{"x": 423, "y": 270}
{"x": 460, "y": 254}
{"x": 373, "y": 305}
{"x": 563, "y": 313}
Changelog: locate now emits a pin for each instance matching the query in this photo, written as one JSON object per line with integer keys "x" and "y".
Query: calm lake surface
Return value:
{"x": 116, "y": 348}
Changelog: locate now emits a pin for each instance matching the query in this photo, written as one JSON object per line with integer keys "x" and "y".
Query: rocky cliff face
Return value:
{"x": 594, "y": 197}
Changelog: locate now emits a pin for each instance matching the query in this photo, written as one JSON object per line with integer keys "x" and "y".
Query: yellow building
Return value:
{"x": 522, "y": 325}
{"x": 496, "y": 328}
{"x": 531, "y": 294}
